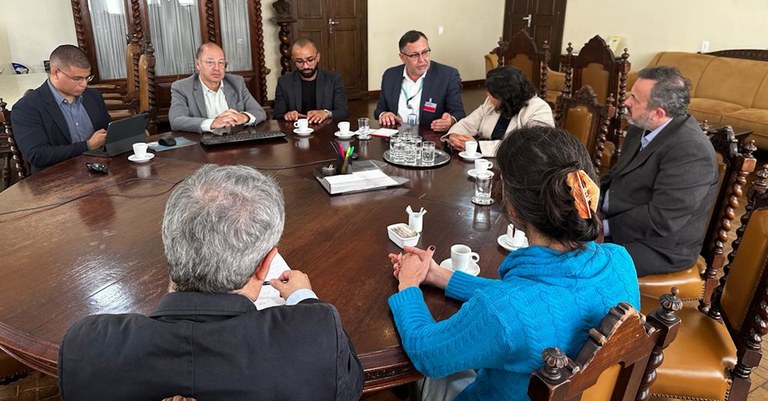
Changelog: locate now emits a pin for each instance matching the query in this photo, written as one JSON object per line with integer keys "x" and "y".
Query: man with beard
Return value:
{"x": 657, "y": 199}
{"x": 211, "y": 99}
{"x": 309, "y": 92}
{"x": 419, "y": 92}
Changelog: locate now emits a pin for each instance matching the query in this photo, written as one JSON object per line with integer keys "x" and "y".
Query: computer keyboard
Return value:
{"x": 244, "y": 136}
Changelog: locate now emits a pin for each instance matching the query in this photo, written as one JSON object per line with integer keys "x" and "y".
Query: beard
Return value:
{"x": 642, "y": 121}
{"x": 308, "y": 72}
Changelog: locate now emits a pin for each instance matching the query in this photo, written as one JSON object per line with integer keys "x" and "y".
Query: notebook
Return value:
{"x": 122, "y": 134}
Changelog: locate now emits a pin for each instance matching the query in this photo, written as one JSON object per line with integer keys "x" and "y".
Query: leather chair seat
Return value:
{"x": 702, "y": 343}
{"x": 688, "y": 281}
{"x": 120, "y": 114}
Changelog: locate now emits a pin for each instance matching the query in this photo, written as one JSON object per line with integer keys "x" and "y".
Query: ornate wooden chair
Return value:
{"x": 588, "y": 120}
{"x": 122, "y": 100}
{"x": 5, "y": 147}
{"x": 146, "y": 85}
{"x": 521, "y": 52}
{"x": 698, "y": 281}
{"x": 617, "y": 362}
{"x": 715, "y": 352}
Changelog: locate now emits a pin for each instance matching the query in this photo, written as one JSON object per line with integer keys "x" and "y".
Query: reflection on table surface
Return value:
{"x": 91, "y": 243}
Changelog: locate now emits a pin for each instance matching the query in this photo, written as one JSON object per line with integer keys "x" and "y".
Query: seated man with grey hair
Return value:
{"x": 656, "y": 200}
{"x": 206, "y": 339}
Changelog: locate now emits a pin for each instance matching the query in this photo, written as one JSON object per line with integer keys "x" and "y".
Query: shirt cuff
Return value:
{"x": 251, "y": 118}
{"x": 300, "y": 295}
{"x": 606, "y": 228}
{"x": 205, "y": 126}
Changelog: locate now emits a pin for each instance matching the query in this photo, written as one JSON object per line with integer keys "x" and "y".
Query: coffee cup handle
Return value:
{"x": 296, "y": 124}
{"x": 490, "y": 165}
{"x": 474, "y": 256}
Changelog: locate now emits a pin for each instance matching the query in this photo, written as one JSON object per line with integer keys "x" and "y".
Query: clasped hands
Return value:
{"x": 417, "y": 266}
{"x": 442, "y": 124}
{"x": 312, "y": 116}
{"x": 230, "y": 118}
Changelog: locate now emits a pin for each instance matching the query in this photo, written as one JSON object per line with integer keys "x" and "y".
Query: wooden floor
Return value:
{"x": 39, "y": 387}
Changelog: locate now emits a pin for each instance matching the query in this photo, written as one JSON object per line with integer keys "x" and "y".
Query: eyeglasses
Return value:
{"x": 415, "y": 56}
{"x": 308, "y": 61}
{"x": 213, "y": 63}
{"x": 78, "y": 79}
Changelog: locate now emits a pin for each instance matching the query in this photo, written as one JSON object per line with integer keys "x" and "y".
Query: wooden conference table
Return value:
{"x": 91, "y": 244}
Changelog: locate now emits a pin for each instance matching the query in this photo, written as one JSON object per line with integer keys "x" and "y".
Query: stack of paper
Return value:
{"x": 357, "y": 181}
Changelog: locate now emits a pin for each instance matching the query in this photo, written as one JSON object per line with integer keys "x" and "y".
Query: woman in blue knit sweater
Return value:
{"x": 548, "y": 295}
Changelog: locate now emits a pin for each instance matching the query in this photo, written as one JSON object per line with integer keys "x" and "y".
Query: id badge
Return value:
{"x": 412, "y": 119}
{"x": 429, "y": 106}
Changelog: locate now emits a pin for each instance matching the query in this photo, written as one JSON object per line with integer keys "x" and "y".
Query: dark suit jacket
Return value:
{"x": 660, "y": 199}
{"x": 211, "y": 347}
{"x": 41, "y": 131}
{"x": 329, "y": 90}
{"x": 442, "y": 84}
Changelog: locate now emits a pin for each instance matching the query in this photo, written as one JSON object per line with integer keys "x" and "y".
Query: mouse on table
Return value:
{"x": 167, "y": 141}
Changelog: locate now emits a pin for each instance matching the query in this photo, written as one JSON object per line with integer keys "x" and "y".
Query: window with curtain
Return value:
{"x": 235, "y": 34}
{"x": 109, "y": 36}
{"x": 175, "y": 29}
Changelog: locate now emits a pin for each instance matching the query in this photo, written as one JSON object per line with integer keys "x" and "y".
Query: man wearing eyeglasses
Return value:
{"x": 420, "y": 91}
{"x": 309, "y": 92}
{"x": 211, "y": 99}
{"x": 63, "y": 117}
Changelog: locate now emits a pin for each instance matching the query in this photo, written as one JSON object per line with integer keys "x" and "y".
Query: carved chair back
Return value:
{"x": 146, "y": 84}
{"x": 588, "y": 120}
{"x": 617, "y": 362}
{"x": 521, "y": 52}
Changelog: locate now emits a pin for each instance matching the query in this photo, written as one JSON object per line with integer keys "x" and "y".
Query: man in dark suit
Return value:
{"x": 206, "y": 339}
{"x": 63, "y": 117}
{"x": 657, "y": 199}
{"x": 420, "y": 91}
{"x": 309, "y": 92}
{"x": 210, "y": 98}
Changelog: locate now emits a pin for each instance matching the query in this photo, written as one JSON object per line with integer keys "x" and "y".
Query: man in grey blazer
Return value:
{"x": 309, "y": 92}
{"x": 656, "y": 201}
{"x": 211, "y": 99}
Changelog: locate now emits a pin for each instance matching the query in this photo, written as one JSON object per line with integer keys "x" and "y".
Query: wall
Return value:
{"x": 680, "y": 25}
{"x": 28, "y": 34}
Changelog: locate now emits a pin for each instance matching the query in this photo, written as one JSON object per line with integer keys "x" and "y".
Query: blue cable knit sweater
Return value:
{"x": 544, "y": 299}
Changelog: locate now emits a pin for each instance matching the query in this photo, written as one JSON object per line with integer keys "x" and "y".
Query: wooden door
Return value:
{"x": 340, "y": 29}
{"x": 543, "y": 19}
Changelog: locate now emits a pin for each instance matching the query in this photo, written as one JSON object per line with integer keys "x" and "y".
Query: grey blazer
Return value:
{"x": 188, "y": 109}
{"x": 330, "y": 94}
{"x": 660, "y": 199}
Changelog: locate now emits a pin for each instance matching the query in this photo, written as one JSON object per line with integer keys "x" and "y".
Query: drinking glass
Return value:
{"x": 363, "y": 128}
{"x": 483, "y": 189}
{"x": 428, "y": 152}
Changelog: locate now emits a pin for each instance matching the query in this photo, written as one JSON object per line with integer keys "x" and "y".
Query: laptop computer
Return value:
{"x": 122, "y": 134}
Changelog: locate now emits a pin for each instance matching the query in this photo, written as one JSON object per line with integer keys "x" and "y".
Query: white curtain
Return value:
{"x": 175, "y": 29}
{"x": 235, "y": 34}
{"x": 109, "y": 35}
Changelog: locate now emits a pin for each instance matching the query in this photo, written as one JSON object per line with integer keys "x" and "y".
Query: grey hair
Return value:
{"x": 671, "y": 90}
{"x": 218, "y": 225}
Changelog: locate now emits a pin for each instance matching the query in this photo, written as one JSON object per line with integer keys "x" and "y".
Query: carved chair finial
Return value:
{"x": 554, "y": 359}
{"x": 671, "y": 304}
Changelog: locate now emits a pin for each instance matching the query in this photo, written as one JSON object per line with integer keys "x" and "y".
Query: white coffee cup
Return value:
{"x": 470, "y": 147}
{"x": 140, "y": 150}
{"x": 344, "y": 127}
{"x": 515, "y": 237}
{"x": 483, "y": 165}
{"x": 302, "y": 124}
{"x": 461, "y": 255}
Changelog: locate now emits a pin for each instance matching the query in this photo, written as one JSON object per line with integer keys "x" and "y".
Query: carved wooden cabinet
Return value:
{"x": 175, "y": 28}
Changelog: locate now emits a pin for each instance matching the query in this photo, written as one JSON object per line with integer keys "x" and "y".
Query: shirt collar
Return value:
{"x": 197, "y": 303}
{"x": 206, "y": 89}
{"x": 59, "y": 97}
{"x": 405, "y": 75}
{"x": 646, "y": 139}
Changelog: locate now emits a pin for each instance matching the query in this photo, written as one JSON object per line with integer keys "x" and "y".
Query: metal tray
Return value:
{"x": 441, "y": 158}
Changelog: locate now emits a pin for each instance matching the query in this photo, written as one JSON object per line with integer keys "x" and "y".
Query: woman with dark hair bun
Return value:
{"x": 511, "y": 102}
{"x": 547, "y": 295}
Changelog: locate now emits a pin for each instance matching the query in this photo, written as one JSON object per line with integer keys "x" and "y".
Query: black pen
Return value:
{"x": 267, "y": 282}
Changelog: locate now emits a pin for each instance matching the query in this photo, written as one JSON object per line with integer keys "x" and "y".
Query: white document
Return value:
{"x": 488, "y": 148}
{"x": 384, "y": 132}
{"x": 269, "y": 296}
{"x": 359, "y": 181}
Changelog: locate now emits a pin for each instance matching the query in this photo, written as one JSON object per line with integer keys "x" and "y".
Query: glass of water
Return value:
{"x": 397, "y": 149}
{"x": 483, "y": 186}
{"x": 427, "y": 152}
{"x": 363, "y": 128}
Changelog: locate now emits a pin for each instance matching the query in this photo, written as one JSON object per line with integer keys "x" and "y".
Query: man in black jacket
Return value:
{"x": 206, "y": 339}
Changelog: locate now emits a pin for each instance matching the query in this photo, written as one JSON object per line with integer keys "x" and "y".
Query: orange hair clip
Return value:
{"x": 585, "y": 193}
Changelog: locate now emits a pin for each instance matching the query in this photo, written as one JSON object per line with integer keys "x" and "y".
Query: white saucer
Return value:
{"x": 502, "y": 241}
{"x": 303, "y": 133}
{"x": 342, "y": 136}
{"x": 473, "y": 173}
{"x": 473, "y": 269}
{"x": 466, "y": 156}
{"x": 145, "y": 159}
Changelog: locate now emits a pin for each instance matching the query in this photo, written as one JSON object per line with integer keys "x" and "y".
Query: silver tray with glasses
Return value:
{"x": 441, "y": 158}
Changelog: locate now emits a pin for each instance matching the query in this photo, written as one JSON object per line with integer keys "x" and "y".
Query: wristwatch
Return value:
{"x": 330, "y": 113}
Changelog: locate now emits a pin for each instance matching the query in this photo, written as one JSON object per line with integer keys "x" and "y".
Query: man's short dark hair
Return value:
{"x": 410, "y": 37}
{"x": 302, "y": 42}
{"x": 69, "y": 56}
{"x": 671, "y": 90}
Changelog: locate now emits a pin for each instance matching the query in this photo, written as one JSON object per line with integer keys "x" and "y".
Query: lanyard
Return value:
{"x": 408, "y": 99}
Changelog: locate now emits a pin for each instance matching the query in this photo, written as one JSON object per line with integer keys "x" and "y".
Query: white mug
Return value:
{"x": 302, "y": 125}
{"x": 483, "y": 165}
{"x": 470, "y": 147}
{"x": 140, "y": 150}
{"x": 515, "y": 237}
{"x": 344, "y": 127}
{"x": 461, "y": 256}
{"x": 416, "y": 221}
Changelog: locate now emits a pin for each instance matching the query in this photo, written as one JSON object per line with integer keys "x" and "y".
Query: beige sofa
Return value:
{"x": 724, "y": 89}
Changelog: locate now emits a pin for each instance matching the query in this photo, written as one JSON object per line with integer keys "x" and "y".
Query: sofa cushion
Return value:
{"x": 691, "y": 65}
{"x": 731, "y": 80}
{"x": 711, "y": 110}
{"x": 755, "y": 120}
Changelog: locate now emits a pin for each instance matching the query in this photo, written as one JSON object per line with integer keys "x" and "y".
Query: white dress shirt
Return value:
{"x": 410, "y": 90}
